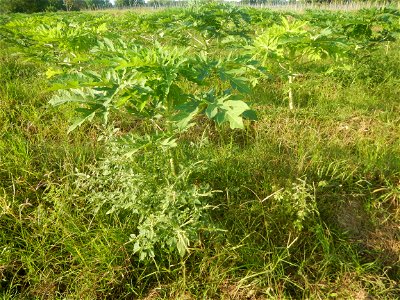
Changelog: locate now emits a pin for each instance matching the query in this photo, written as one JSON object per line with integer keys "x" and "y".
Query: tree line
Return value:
{"x": 31, "y": 6}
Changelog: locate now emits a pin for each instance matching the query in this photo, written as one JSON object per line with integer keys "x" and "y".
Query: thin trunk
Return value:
{"x": 291, "y": 106}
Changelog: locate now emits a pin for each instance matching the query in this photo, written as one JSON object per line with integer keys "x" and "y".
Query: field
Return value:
{"x": 206, "y": 152}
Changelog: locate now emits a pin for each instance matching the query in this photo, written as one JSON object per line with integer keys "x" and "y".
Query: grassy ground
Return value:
{"x": 305, "y": 202}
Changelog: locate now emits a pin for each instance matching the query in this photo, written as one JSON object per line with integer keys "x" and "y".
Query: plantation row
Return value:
{"x": 166, "y": 63}
{"x": 201, "y": 142}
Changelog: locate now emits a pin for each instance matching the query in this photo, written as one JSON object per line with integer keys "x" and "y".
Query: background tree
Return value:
{"x": 92, "y": 4}
{"x": 21, "y": 6}
{"x": 31, "y": 6}
{"x": 69, "y": 4}
{"x": 55, "y": 5}
{"x": 122, "y": 3}
{"x": 74, "y": 4}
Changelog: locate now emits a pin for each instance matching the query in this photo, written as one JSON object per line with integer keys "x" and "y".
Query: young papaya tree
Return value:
{"x": 285, "y": 48}
{"x": 148, "y": 83}
{"x": 166, "y": 87}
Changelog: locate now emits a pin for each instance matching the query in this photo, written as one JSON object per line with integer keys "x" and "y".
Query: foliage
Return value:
{"x": 24, "y": 5}
{"x": 29, "y": 6}
{"x": 146, "y": 82}
{"x": 92, "y": 4}
{"x": 167, "y": 212}
{"x": 150, "y": 195}
{"x": 125, "y": 3}
{"x": 288, "y": 46}
{"x": 53, "y": 39}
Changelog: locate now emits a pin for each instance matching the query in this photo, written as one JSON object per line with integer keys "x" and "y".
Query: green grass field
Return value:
{"x": 301, "y": 203}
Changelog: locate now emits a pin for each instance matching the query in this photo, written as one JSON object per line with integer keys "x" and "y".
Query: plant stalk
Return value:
{"x": 291, "y": 106}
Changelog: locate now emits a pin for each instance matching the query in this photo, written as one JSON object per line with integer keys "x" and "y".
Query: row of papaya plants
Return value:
{"x": 168, "y": 70}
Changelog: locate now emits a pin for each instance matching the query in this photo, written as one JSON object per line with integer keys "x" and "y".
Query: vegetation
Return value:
{"x": 210, "y": 152}
{"x": 31, "y": 6}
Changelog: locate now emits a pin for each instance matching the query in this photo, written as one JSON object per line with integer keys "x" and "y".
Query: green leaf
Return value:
{"x": 250, "y": 115}
{"x": 236, "y": 106}
{"x": 86, "y": 115}
{"x": 167, "y": 143}
{"x": 235, "y": 121}
{"x": 241, "y": 84}
{"x": 183, "y": 118}
{"x": 66, "y": 97}
{"x": 51, "y": 72}
{"x": 182, "y": 242}
{"x": 211, "y": 110}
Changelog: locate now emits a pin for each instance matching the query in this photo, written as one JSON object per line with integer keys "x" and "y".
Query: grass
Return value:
{"x": 305, "y": 202}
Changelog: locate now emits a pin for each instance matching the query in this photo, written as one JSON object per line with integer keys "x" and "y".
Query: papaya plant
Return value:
{"x": 285, "y": 48}
{"x": 170, "y": 86}
{"x": 147, "y": 82}
{"x": 54, "y": 39}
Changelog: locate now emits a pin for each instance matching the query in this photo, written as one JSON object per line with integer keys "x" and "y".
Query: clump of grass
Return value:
{"x": 34, "y": 158}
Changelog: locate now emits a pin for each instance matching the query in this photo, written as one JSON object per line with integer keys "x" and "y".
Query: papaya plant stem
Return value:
{"x": 290, "y": 78}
